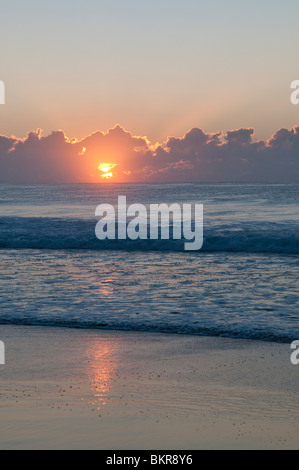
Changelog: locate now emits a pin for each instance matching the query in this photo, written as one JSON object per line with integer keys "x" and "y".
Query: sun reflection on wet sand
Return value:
{"x": 102, "y": 366}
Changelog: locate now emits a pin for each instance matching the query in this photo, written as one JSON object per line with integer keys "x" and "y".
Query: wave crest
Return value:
{"x": 78, "y": 234}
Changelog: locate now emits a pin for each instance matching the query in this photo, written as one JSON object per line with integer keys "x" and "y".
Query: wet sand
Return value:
{"x": 93, "y": 389}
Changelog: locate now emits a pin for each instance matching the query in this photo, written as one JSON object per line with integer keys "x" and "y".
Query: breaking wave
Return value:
{"x": 78, "y": 234}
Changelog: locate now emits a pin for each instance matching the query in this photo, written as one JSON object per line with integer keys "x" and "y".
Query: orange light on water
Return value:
{"x": 101, "y": 369}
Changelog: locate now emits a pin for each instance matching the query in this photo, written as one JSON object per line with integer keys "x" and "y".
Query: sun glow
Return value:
{"x": 106, "y": 168}
{"x": 102, "y": 368}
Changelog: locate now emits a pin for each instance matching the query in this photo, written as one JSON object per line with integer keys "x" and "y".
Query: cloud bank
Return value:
{"x": 233, "y": 156}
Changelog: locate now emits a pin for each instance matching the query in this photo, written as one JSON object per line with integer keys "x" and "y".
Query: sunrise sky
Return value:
{"x": 159, "y": 68}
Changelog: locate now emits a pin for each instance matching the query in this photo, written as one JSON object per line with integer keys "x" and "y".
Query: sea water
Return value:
{"x": 244, "y": 282}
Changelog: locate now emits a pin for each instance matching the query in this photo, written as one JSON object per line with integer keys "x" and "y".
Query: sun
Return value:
{"x": 107, "y": 175}
{"x": 106, "y": 168}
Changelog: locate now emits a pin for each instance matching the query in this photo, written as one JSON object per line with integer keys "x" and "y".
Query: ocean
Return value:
{"x": 243, "y": 283}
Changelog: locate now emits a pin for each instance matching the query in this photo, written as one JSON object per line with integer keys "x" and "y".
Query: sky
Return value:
{"x": 157, "y": 68}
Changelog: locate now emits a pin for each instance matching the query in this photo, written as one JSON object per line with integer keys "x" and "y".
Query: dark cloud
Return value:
{"x": 240, "y": 136}
{"x": 197, "y": 156}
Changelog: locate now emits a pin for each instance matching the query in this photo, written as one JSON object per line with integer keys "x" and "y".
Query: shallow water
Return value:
{"x": 243, "y": 283}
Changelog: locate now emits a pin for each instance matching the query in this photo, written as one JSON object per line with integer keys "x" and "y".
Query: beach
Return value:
{"x": 149, "y": 228}
{"x": 66, "y": 388}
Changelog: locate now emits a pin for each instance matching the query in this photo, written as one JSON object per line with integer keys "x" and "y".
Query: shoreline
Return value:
{"x": 67, "y": 388}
